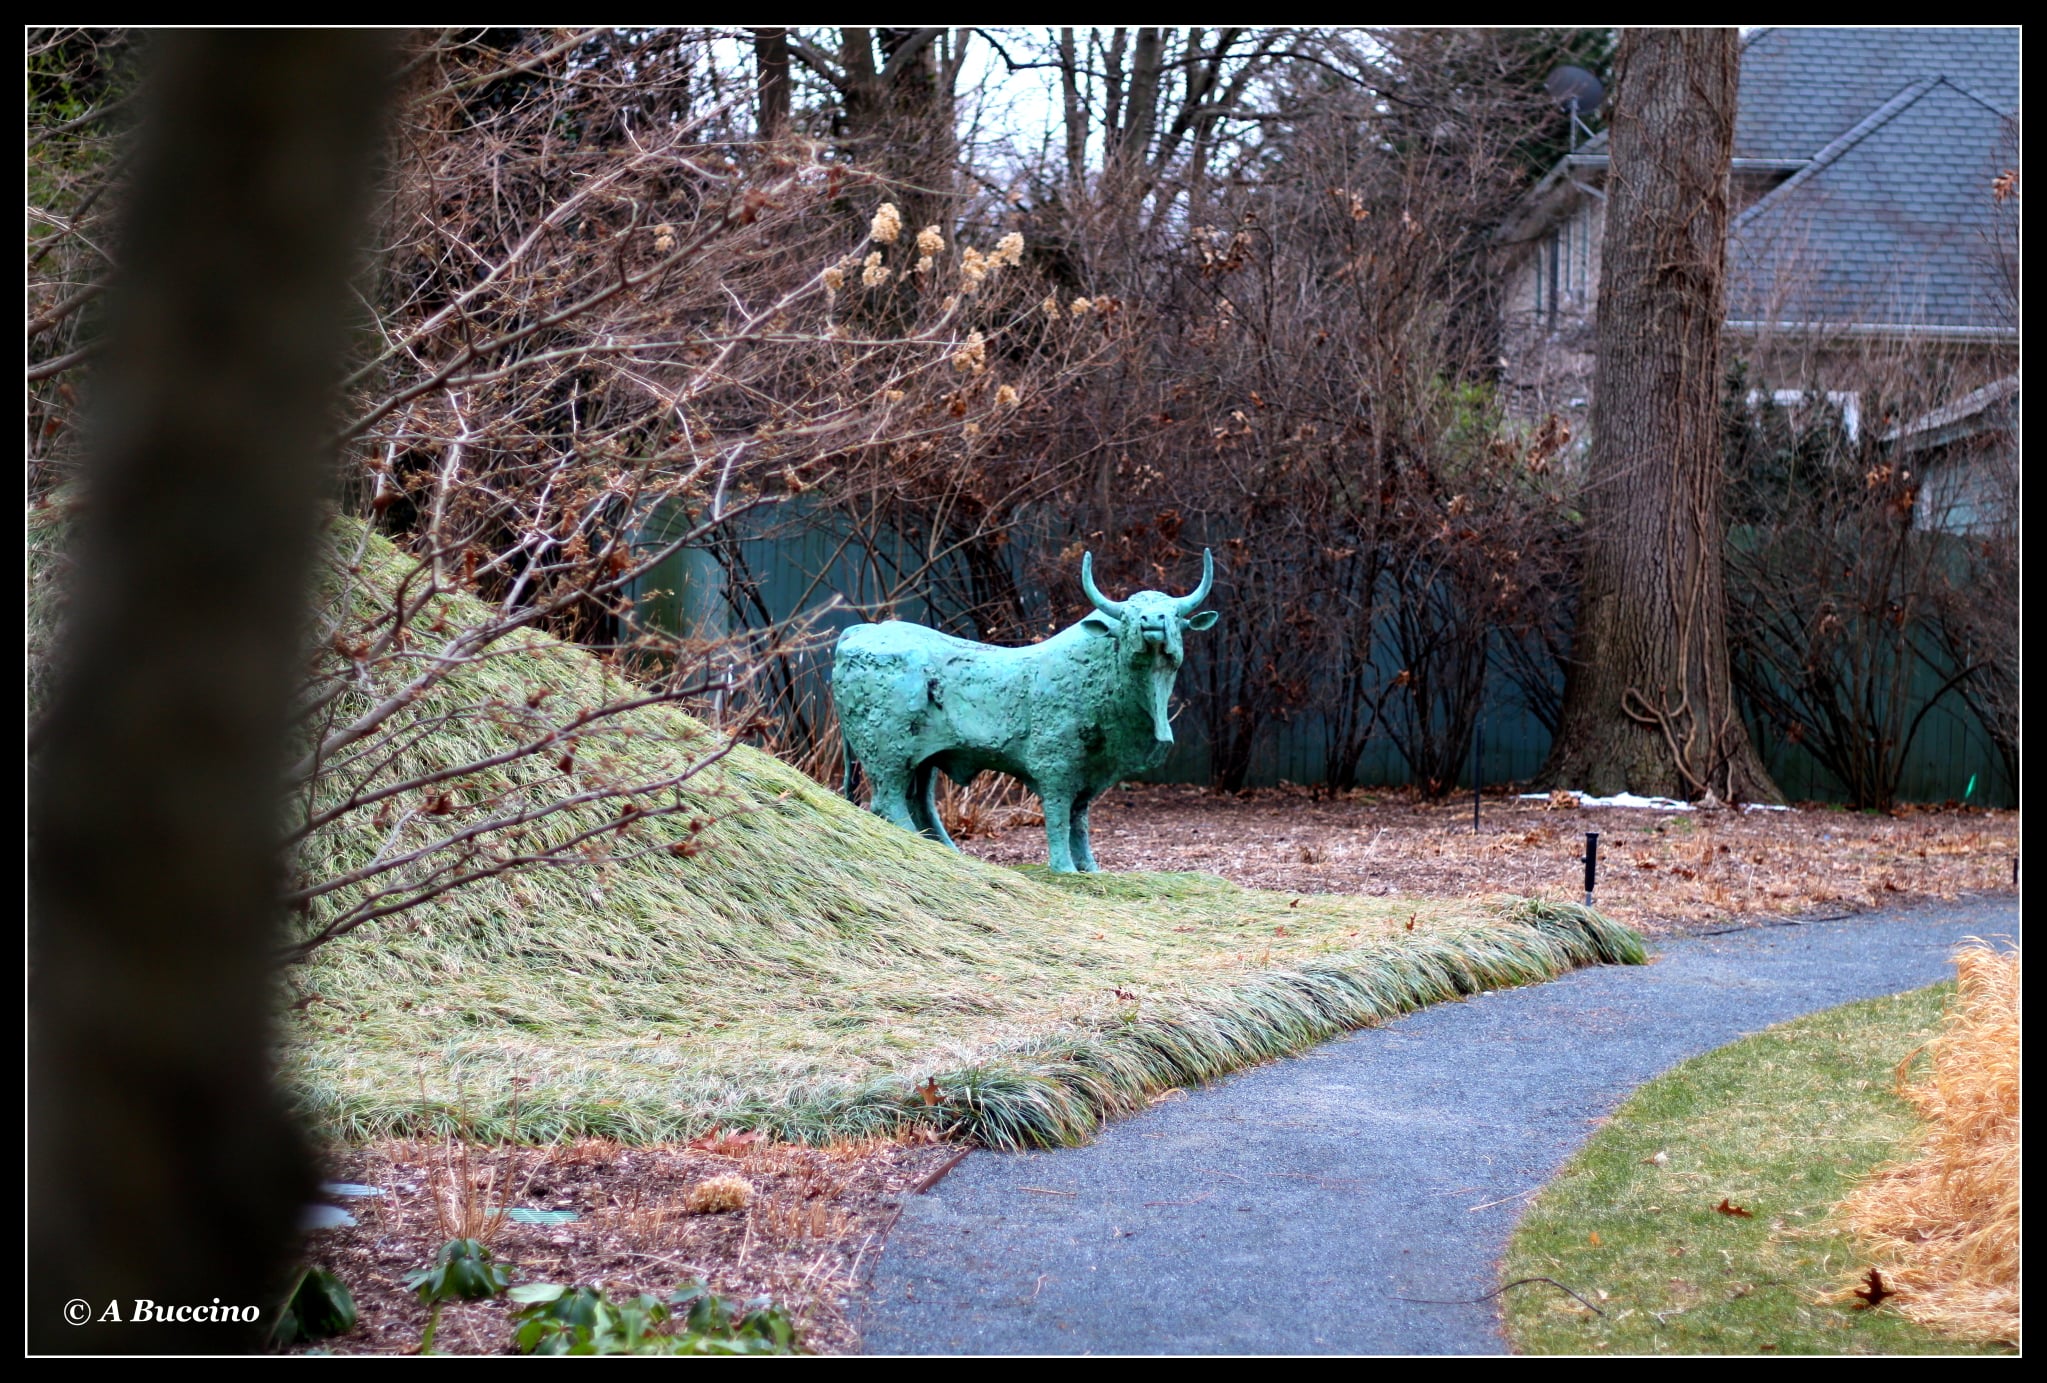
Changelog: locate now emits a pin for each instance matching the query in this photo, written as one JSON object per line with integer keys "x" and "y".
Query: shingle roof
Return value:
{"x": 1803, "y": 88}
{"x": 1893, "y": 222}
{"x": 1994, "y": 405}
{"x": 1889, "y": 221}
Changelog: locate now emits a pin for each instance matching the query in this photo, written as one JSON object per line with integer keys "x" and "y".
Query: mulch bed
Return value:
{"x": 816, "y": 1215}
{"x": 1663, "y": 872}
{"x": 819, "y": 1214}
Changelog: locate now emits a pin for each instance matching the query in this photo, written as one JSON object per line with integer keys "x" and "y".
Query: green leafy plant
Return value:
{"x": 318, "y": 1308}
{"x": 463, "y": 1270}
{"x": 693, "y": 1320}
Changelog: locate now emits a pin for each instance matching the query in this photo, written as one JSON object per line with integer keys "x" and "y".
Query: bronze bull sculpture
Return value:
{"x": 1071, "y": 716}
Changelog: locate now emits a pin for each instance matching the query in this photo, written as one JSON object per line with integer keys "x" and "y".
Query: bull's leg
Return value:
{"x": 924, "y": 800}
{"x": 892, "y": 796}
{"x": 1083, "y": 850}
{"x": 1057, "y": 800}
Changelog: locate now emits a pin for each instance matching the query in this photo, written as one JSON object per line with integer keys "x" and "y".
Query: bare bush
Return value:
{"x": 1855, "y": 606}
{"x": 597, "y": 297}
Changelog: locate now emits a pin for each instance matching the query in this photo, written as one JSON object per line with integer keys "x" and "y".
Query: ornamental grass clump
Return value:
{"x": 1944, "y": 1227}
{"x": 752, "y": 951}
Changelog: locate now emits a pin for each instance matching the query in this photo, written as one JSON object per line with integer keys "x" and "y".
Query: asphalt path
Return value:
{"x": 1288, "y": 1208}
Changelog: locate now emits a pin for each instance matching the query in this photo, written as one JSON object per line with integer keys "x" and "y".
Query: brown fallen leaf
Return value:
{"x": 719, "y": 1141}
{"x": 928, "y": 1091}
{"x": 1593, "y": 1238}
{"x": 1727, "y": 1207}
{"x": 1873, "y": 1294}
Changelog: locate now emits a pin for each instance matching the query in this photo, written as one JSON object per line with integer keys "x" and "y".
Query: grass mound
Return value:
{"x": 1775, "y": 1128}
{"x": 814, "y": 972}
{"x": 1945, "y": 1225}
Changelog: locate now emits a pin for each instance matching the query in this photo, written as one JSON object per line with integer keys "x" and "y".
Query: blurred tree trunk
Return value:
{"x": 162, "y": 1163}
{"x": 771, "y": 57}
{"x": 1648, "y": 704}
{"x": 897, "y": 86}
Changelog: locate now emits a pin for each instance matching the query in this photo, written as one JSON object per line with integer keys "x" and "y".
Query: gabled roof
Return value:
{"x": 1891, "y": 137}
{"x": 1801, "y": 89}
{"x": 1995, "y": 405}
{"x": 1890, "y": 225}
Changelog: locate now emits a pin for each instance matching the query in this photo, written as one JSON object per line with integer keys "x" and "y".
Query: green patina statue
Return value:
{"x": 1072, "y": 716}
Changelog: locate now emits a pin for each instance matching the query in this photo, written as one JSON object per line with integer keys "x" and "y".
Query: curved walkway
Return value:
{"x": 1285, "y": 1209}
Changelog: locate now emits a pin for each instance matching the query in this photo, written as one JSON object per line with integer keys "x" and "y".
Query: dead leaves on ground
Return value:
{"x": 1694, "y": 867}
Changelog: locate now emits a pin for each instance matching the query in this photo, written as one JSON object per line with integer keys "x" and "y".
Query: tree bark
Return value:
{"x": 1076, "y": 116}
{"x": 771, "y": 60}
{"x": 1648, "y": 703}
{"x": 162, "y": 1163}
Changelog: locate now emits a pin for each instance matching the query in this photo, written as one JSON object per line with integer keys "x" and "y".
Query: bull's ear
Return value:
{"x": 1205, "y": 620}
{"x": 1100, "y": 624}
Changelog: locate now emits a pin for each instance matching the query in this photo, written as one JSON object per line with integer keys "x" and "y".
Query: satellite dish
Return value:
{"x": 1576, "y": 90}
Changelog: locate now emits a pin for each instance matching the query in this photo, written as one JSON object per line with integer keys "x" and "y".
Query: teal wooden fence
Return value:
{"x": 788, "y": 567}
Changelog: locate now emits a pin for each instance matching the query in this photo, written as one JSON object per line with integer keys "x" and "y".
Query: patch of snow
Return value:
{"x": 1619, "y": 799}
{"x": 349, "y": 1188}
{"x": 324, "y": 1217}
{"x": 1656, "y": 804}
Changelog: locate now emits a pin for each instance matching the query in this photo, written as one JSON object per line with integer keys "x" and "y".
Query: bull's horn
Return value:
{"x": 1188, "y": 604}
{"x": 1095, "y": 597}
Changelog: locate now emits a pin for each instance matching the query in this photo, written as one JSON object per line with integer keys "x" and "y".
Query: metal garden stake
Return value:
{"x": 1591, "y": 864}
{"x": 1477, "y": 756}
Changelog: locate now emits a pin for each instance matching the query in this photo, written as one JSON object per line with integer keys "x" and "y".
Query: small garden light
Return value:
{"x": 1591, "y": 858}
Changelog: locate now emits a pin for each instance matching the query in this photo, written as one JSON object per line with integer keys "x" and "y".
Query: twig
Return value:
{"x": 1517, "y": 1282}
{"x": 932, "y": 1179}
{"x": 1504, "y": 1199}
{"x": 1046, "y": 1191}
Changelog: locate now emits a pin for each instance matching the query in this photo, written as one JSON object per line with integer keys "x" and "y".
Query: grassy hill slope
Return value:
{"x": 815, "y": 972}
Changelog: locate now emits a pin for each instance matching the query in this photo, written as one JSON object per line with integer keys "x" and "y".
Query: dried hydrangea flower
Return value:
{"x": 886, "y": 226}
{"x": 718, "y": 1195}
{"x": 972, "y": 356}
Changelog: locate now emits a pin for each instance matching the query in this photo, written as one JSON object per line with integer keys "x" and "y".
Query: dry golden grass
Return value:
{"x": 1944, "y": 1227}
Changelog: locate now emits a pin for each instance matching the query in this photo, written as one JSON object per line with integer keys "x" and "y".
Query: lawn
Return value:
{"x": 1700, "y": 1219}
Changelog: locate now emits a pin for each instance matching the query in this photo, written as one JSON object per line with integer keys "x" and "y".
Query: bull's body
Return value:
{"x": 1071, "y": 716}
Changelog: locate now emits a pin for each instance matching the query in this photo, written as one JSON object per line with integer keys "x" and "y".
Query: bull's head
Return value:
{"x": 1148, "y": 630}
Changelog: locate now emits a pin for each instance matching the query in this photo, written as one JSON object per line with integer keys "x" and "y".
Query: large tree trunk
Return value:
{"x": 162, "y": 1163}
{"x": 1648, "y": 705}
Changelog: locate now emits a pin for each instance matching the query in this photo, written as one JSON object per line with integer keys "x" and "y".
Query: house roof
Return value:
{"x": 1801, "y": 89}
{"x": 1995, "y": 405}
{"x": 1892, "y": 225}
{"x": 1891, "y": 138}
